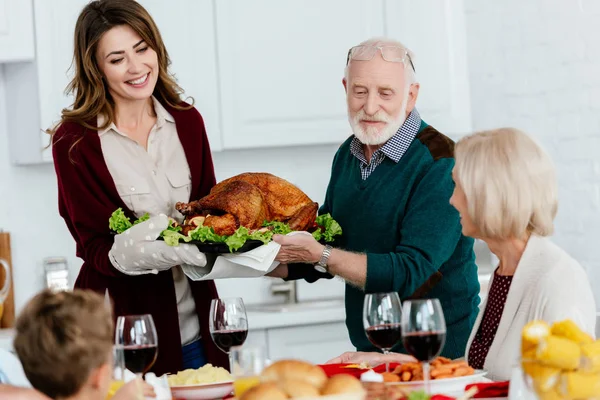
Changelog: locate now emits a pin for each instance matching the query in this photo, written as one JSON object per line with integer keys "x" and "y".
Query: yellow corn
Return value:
{"x": 558, "y": 352}
{"x": 544, "y": 378}
{"x": 533, "y": 333}
{"x": 553, "y": 394}
{"x": 568, "y": 330}
{"x": 590, "y": 357}
{"x": 578, "y": 385}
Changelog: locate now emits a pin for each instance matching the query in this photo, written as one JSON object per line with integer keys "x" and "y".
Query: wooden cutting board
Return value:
{"x": 8, "y": 316}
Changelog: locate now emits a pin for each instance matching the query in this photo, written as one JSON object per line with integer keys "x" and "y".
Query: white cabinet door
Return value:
{"x": 37, "y": 88}
{"x": 281, "y": 68}
{"x": 313, "y": 343}
{"x": 16, "y": 30}
{"x": 187, "y": 28}
{"x": 435, "y": 31}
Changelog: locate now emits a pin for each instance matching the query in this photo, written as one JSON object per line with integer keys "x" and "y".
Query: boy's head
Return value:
{"x": 64, "y": 341}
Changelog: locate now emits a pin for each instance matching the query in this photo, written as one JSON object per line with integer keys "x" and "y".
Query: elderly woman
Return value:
{"x": 505, "y": 192}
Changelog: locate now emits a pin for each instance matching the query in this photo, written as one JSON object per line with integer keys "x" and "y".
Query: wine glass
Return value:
{"x": 382, "y": 317}
{"x": 228, "y": 324}
{"x": 423, "y": 332}
{"x": 136, "y": 334}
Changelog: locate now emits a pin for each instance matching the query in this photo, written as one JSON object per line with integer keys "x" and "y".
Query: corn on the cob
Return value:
{"x": 559, "y": 352}
{"x": 544, "y": 378}
{"x": 533, "y": 333}
{"x": 590, "y": 357}
{"x": 569, "y": 330}
{"x": 579, "y": 385}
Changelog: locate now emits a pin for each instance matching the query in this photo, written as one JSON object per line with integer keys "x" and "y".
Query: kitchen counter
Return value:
{"x": 266, "y": 316}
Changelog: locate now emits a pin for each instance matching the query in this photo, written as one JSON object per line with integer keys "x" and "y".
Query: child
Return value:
{"x": 65, "y": 342}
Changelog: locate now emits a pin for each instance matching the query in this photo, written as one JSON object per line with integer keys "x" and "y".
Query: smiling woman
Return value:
{"x": 130, "y": 142}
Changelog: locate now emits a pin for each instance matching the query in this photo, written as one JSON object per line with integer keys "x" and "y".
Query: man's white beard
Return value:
{"x": 371, "y": 135}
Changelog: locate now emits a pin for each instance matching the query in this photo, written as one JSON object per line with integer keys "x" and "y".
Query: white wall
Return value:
{"x": 535, "y": 65}
{"x": 28, "y": 210}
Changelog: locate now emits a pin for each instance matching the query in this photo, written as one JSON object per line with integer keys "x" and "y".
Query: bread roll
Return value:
{"x": 264, "y": 391}
{"x": 295, "y": 370}
{"x": 297, "y": 388}
{"x": 343, "y": 383}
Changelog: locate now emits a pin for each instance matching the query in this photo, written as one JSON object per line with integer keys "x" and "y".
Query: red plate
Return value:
{"x": 336, "y": 369}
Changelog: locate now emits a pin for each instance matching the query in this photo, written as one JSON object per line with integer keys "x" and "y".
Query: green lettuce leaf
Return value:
{"x": 206, "y": 234}
{"x": 318, "y": 234}
{"x": 279, "y": 228}
{"x": 264, "y": 237}
{"x": 332, "y": 228}
{"x": 143, "y": 218}
{"x": 118, "y": 221}
{"x": 172, "y": 236}
{"x": 238, "y": 239}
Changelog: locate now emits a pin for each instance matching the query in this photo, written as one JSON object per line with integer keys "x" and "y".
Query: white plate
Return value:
{"x": 445, "y": 386}
{"x": 205, "y": 391}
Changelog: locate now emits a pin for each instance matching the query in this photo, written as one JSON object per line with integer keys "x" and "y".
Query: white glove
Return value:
{"x": 136, "y": 251}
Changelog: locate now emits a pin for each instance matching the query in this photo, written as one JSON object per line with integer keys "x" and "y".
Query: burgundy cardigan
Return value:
{"x": 87, "y": 196}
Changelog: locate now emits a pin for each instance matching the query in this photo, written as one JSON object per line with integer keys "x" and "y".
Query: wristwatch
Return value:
{"x": 321, "y": 266}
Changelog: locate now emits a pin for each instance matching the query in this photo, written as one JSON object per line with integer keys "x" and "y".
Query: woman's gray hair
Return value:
{"x": 409, "y": 72}
{"x": 509, "y": 183}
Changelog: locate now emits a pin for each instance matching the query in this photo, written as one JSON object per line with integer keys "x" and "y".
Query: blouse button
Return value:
{"x": 132, "y": 189}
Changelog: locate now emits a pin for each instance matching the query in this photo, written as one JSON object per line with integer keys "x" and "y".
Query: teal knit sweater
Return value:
{"x": 401, "y": 218}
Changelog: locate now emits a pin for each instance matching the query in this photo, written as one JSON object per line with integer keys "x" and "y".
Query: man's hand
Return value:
{"x": 298, "y": 248}
{"x": 372, "y": 358}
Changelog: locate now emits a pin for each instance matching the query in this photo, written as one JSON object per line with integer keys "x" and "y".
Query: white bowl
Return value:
{"x": 445, "y": 386}
{"x": 205, "y": 391}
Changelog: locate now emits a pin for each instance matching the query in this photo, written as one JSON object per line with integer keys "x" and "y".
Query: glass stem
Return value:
{"x": 426, "y": 377}
{"x": 230, "y": 356}
{"x": 387, "y": 362}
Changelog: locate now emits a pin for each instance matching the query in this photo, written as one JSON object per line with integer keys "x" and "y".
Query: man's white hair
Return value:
{"x": 409, "y": 72}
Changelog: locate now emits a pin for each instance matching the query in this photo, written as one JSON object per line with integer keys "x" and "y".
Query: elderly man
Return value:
{"x": 389, "y": 190}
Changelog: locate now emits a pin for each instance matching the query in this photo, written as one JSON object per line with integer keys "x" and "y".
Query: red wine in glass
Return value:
{"x": 382, "y": 317}
{"x": 228, "y": 338}
{"x": 136, "y": 335}
{"x": 423, "y": 332}
{"x": 424, "y": 346}
{"x": 228, "y": 324}
{"x": 139, "y": 359}
{"x": 384, "y": 336}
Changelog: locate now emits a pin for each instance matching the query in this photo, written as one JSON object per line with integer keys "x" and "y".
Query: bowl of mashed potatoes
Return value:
{"x": 205, "y": 383}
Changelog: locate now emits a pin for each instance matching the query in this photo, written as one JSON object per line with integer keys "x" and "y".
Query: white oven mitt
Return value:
{"x": 136, "y": 251}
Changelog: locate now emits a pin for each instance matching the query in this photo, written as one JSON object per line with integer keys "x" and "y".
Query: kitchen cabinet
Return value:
{"x": 16, "y": 31}
{"x": 314, "y": 343}
{"x": 35, "y": 90}
{"x": 263, "y": 73}
{"x": 435, "y": 30}
{"x": 281, "y": 68}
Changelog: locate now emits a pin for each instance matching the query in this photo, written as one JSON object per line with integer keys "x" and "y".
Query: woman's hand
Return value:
{"x": 136, "y": 389}
{"x": 136, "y": 251}
{"x": 300, "y": 247}
{"x": 372, "y": 358}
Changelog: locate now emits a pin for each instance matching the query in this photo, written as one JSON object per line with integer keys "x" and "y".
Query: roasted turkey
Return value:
{"x": 249, "y": 200}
